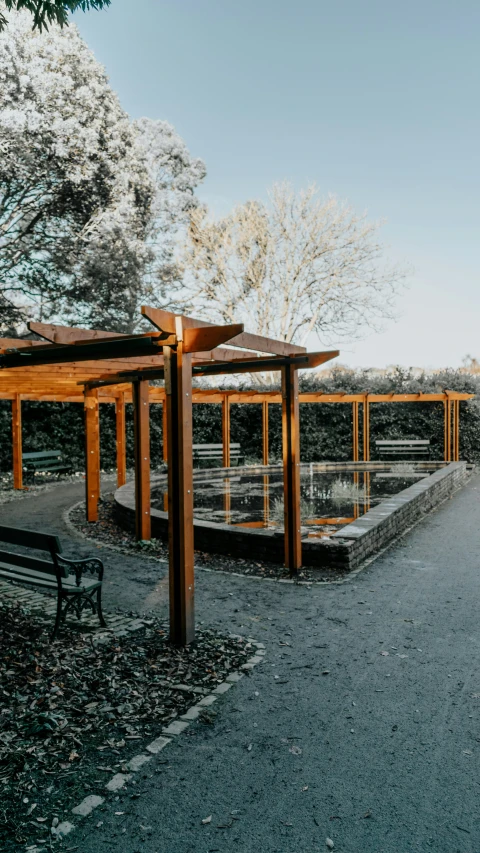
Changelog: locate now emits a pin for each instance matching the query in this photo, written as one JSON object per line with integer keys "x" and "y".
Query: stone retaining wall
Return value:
{"x": 344, "y": 550}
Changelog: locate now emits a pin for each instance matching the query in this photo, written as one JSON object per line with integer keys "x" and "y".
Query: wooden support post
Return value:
{"x": 120, "y": 434}
{"x": 355, "y": 431}
{"x": 366, "y": 430}
{"x": 456, "y": 435}
{"x": 17, "y": 442}
{"x": 178, "y": 387}
{"x": 291, "y": 468}
{"x": 92, "y": 453}
{"x": 165, "y": 431}
{"x": 141, "y": 426}
{"x": 227, "y": 501}
{"x": 226, "y": 431}
{"x": 448, "y": 430}
{"x": 266, "y": 500}
{"x": 265, "y": 432}
{"x": 366, "y": 491}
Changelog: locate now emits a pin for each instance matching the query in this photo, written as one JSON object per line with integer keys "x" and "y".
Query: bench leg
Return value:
{"x": 99, "y": 608}
{"x": 58, "y": 618}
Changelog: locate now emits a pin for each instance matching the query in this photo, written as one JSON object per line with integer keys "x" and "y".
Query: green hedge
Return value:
{"x": 326, "y": 430}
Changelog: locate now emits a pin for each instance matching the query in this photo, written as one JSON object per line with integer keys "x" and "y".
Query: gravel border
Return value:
{"x": 120, "y": 780}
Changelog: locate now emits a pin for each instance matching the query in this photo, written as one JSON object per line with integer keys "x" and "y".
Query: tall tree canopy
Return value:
{"x": 47, "y": 12}
{"x": 89, "y": 200}
{"x": 301, "y": 264}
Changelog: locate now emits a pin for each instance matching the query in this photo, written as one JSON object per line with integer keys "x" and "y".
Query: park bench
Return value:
{"x": 207, "y": 452}
{"x": 57, "y": 572}
{"x": 404, "y": 448}
{"x": 44, "y": 461}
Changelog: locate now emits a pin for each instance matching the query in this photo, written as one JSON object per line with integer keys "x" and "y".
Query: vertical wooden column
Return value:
{"x": 265, "y": 432}
{"x": 356, "y": 505}
{"x": 17, "y": 442}
{"x": 120, "y": 435}
{"x": 227, "y": 501}
{"x": 291, "y": 468}
{"x": 165, "y": 430}
{"x": 141, "y": 427}
{"x": 266, "y": 500}
{"x": 178, "y": 386}
{"x": 226, "y": 430}
{"x": 366, "y": 430}
{"x": 456, "y": 434}
{"x": 448, "y": 430}
{"x": 92, "y": 453}
{"x": 355, "y": 431}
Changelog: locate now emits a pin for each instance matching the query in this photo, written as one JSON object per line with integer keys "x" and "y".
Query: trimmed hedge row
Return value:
{"x": 326, "y": 430}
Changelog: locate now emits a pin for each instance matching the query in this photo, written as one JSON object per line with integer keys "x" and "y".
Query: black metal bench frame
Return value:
{"x": 60, "y": 573}
{"x": 41, "y": 461}
{"x": 215, "y": 451}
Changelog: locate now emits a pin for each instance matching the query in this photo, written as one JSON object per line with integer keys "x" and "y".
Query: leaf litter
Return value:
{"x": 73, "y": 712}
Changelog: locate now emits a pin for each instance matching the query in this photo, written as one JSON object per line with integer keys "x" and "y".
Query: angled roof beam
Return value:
{"x": 166, "y": 321}
{"x": 150, "y": 344}
{"x": 69, "y": 334}
{"x": 258, "y": 365}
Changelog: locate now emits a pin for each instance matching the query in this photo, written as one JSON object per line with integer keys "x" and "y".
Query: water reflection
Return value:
{"x": 329, "y": 499}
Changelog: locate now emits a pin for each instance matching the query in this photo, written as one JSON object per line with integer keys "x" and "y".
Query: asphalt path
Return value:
{"x": 362, "y": 725}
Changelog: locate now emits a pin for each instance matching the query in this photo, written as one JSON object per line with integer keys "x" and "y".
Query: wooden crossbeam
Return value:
{"x": 84, "y": 350}
{"x": 166, "y": 321}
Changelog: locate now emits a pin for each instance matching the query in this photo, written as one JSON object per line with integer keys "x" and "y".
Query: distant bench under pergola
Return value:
{"x": 93, "y": 367}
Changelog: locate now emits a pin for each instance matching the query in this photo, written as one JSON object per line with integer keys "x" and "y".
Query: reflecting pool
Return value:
{"x": 329, "y": 499}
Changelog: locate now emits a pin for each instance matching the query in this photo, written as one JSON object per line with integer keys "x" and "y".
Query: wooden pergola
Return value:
{"x": 94, "y": 367}
{"x": 119, "y": 368}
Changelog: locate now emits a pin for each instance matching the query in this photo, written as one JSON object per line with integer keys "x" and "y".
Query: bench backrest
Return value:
{"x": 215, "y": 449}
{"x": 403, "y": 442}
{"x": 30, "y": 539}
{"x": 25, "y": 562}
{"x": 42, "y": 454}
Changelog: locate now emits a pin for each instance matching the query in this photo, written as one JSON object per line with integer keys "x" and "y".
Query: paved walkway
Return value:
{"x": 330, "y": 736}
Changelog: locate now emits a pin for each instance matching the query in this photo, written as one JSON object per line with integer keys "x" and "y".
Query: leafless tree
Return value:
{"x": 302, "y": 264}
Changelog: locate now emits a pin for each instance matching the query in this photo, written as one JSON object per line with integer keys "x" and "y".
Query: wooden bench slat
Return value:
{"x": 25, "y": 562}
{"x": 403, "y": 442}
{"x": 56, "y": 466}
{"x": 233, "y": 446}
{"x": 42, "y": 454}
{"x": 215, "y": 453}
{"x": 30, "y": 539}
{"x": 37, "y": 579}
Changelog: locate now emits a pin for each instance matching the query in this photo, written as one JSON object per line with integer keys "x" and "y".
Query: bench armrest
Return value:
{"x": 92, "y": 565}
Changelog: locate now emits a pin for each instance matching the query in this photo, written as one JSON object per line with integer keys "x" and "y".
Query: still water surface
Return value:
{"x": 329, "y": 499}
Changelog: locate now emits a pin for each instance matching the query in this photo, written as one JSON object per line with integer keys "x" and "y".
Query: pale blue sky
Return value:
{"x": 375, "y": 101}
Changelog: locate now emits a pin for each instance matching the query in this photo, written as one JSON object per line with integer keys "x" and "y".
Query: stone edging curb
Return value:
{"x": 175, "y": 728}
{"x": 348, "y": 576}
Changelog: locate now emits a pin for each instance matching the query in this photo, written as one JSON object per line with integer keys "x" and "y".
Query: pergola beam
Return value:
{"x": 178, "y": 386}
{"x": 121, "y": 440}
{"x": 92, "y": 453}
{"x": 291, "y": 468}
{"x": 17, "y": 442}
{"x": 141, "y": 423}
{"x": 226, "y": 431}
{"x": 166, "y": 322}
